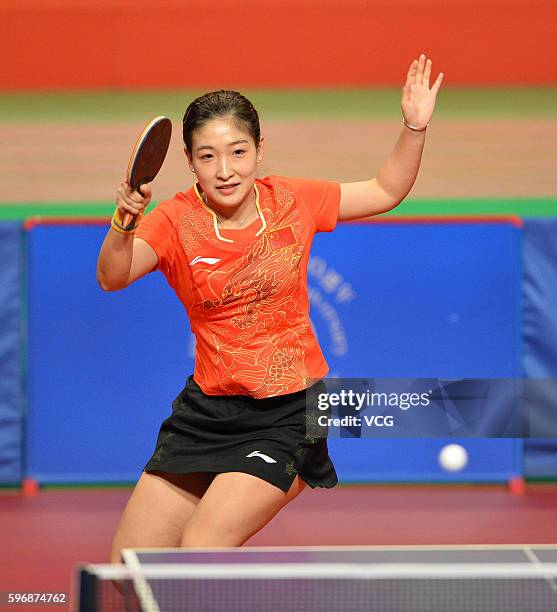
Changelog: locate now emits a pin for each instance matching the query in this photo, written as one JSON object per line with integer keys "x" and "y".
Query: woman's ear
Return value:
{"x": 190, "y": 160}
{"x": 260, "y": 148}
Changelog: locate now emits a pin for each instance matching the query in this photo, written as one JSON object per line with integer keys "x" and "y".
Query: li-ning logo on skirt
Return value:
{"x": 266, "y": 458}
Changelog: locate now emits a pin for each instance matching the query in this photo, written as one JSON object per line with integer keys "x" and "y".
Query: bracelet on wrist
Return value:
{"x": 413, "y": 127}
{"x": 117, "y": 223}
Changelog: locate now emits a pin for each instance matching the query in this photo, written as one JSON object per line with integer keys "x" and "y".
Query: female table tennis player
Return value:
{"x": 235, "y": 249}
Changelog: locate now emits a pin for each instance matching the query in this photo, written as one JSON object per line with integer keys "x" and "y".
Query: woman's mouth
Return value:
{"x": 228, "y": 189}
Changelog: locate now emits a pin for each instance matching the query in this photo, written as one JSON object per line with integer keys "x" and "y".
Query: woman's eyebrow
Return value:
{"x": 230, "y": 144}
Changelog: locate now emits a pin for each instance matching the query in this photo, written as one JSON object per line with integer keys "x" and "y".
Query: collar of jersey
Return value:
{"x": 216, "y": 221}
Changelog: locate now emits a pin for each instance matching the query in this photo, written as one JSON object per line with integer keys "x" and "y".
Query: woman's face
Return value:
{"x": 224, "y": 157}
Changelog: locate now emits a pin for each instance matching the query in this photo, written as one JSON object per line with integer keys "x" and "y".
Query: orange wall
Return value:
{"x": 59, "y": 44}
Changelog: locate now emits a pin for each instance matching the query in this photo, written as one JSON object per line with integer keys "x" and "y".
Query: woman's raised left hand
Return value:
{"x": 418, "y": 99}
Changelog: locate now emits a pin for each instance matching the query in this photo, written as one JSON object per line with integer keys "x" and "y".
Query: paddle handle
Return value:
{"x": 128, "y": 217}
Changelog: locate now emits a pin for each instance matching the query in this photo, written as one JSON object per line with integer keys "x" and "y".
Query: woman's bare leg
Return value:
{"x": 235, "y": 506}
{"x": 158, "y": 510}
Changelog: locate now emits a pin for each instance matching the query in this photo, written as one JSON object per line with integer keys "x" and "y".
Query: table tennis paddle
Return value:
{"x": 148, "y": 156}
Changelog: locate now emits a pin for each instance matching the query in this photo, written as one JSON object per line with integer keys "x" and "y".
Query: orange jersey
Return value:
{"x": 245, "y": 290}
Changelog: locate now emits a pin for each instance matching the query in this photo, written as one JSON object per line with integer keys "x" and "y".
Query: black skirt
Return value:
{"x": 266, "y": 437}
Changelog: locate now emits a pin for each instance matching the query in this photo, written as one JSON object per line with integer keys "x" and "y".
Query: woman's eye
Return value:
{"x": 208, "y": 156}
{"x": 239, "y": 151}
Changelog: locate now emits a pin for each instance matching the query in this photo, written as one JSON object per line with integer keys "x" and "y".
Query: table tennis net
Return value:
{"x": 378, "y": 589}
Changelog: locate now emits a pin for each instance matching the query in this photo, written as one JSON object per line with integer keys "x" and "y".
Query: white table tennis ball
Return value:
{"x": 453, "y": 457}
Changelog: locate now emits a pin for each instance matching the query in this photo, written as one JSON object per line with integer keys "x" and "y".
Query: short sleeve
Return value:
{"x": 322, "y": 199}
{"x": 157, "y": 229}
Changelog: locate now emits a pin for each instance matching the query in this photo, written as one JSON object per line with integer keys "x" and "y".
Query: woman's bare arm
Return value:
{"x": 124, "y": 258}
{"x": 399, "y": 171}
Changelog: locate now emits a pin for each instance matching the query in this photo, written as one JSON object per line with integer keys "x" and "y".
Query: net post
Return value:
{"x": 86, "y": 589}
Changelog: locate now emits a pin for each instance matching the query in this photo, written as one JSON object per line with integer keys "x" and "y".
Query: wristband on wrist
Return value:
{"x": 118, "y": 220}
{"x": 413, "y": 127}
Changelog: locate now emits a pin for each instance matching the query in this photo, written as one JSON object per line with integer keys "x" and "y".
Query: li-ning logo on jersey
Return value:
{"x": 265, "y": 458}
{"x": 210, "y": 260}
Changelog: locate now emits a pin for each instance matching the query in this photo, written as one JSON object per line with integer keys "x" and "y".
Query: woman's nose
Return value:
{"x": 224, "y": 170}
